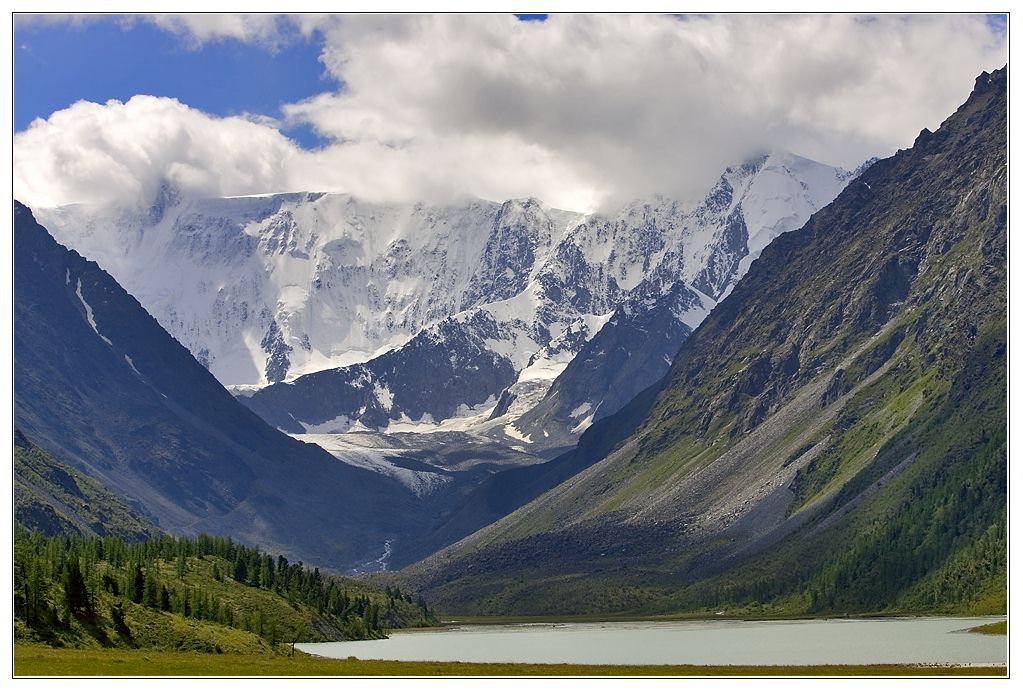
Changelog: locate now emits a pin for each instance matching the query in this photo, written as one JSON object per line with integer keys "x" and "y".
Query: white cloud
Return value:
{"x": 260, "y": 28}
{"x": 571, "y": 110}
{"x": 270, "y": 30}
{"x": 121, "y": 152}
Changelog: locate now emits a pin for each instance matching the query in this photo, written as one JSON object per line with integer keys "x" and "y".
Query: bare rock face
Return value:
{"x": 277, "y": 362}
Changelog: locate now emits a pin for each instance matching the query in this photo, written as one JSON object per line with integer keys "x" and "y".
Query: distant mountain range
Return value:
{"x": 832, "y": 438}
{"x": 398, "y": 318}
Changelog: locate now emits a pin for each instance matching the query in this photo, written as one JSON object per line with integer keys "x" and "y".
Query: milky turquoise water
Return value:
{"x": 718, "y": 642}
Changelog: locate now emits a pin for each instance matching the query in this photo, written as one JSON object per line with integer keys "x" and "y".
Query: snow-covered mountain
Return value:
{"x": 705, "y": 251}
{"x": 261, "y": 288}
{"x": 377, "y": 316}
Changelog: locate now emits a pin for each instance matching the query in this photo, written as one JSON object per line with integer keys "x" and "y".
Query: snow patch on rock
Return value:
{"x": 88, "y": 313}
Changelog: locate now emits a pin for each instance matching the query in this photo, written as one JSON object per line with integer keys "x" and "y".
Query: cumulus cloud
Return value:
{"x": 573, "y": 110}
{"x": 122, "y": 153}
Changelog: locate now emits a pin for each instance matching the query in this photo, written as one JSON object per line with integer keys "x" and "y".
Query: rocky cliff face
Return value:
{"x": 833, "y": 434}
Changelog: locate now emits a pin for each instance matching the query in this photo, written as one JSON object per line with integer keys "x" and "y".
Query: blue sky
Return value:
{"x": 58, "y": 64}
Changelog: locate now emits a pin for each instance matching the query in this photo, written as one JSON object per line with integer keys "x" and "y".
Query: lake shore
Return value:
{"x": 448, "y": 621}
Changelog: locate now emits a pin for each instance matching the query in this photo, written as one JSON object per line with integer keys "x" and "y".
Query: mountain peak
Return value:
{"x": 101, "y": 386}
{"x": 991, "y": 80}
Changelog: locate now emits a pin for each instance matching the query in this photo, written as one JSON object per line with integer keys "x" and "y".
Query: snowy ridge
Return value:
{"x": 269, "y": 288}
{"x": 263, "y": 288}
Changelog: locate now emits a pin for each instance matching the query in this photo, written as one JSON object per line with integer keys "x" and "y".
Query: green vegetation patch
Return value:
{"x": 206, "y": 594}
{"x": 992, "y": 628}
{"x": 54, "y": 498}
{"x": 38, "y": 660}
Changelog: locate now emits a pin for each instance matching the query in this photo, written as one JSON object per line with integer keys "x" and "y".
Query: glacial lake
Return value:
{"x": 708, "y": 642}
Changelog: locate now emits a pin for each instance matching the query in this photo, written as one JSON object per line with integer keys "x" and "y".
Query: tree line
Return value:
{"x": 63, "y": 578}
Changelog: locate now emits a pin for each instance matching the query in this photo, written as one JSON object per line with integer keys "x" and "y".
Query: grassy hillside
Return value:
{"x": 831, "y": 439}
{"x": 55, "y": 499}
{"x": 931, "y": 539}
{"x": 205, "y": 594}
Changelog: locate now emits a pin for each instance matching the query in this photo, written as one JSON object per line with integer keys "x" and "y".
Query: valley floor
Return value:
{"x": 35, "y": 660}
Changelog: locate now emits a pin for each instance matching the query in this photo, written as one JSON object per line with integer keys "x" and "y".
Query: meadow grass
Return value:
{"x": 36, "y": 660}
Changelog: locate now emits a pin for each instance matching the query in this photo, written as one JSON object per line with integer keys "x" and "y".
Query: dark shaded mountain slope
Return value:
{"x": 101, "y": 386}
{"x": 437, "y": 371}
{"x": 831, "y": 438}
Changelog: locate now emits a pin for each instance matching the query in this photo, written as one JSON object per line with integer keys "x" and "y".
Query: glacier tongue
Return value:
{"x": 275, "y": 288}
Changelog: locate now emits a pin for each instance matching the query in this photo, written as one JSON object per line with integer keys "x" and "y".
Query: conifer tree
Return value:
{"x": 136, "y": 583}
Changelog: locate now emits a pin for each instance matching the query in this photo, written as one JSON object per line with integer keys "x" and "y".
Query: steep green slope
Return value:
{"x": 55, "y": 499}
{"x": 205, "y": 594}
{"x": 832, "y": 437}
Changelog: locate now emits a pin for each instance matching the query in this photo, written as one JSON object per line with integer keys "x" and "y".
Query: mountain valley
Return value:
{"x": 641, "y": 408}
{"x": 510, "y": 344}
